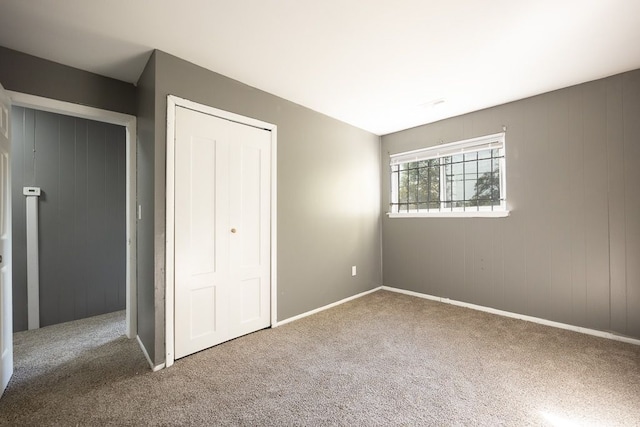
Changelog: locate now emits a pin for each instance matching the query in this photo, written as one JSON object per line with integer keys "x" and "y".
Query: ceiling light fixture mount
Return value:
{"x": 433, "y": 103}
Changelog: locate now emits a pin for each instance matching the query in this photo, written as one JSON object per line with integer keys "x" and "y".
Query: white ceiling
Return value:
{"x": 377, "y": 64}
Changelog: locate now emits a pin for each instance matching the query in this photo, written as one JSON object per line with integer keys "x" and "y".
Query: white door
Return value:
{"x": 6, "y": 312}
{"x": 222, "y": 230}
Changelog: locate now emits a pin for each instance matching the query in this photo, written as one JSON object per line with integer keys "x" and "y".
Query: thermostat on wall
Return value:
{"x": 31, "y": 191}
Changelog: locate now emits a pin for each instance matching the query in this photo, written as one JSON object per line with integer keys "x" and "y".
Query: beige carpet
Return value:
{"x": 384, "y": 359}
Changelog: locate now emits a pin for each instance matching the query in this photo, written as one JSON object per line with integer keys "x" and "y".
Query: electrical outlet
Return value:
{"x": 353, "y": 270}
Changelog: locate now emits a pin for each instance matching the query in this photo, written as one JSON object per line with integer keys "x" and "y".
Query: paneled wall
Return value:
{"x": 570, "y": 250}
{"x": 80, "y": 167}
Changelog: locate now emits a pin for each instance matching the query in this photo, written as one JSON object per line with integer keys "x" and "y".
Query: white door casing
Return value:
{"x": 6, "y": 302}
{"x": 220, "y": 206}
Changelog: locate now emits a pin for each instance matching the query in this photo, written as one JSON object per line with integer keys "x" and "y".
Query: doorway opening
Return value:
{"x": 129, "y": 124}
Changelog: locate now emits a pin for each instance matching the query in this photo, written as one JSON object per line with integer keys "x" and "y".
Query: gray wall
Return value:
{"x": 569, "y": 251}
{"x": 80, "y": 166}
{"x": 36, "y": 76}
{"x": 328, "y": 193}
{"x": 145, "y": 193}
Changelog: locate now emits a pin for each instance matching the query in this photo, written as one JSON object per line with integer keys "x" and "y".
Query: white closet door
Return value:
{"x": 222, "y": 240}
{"x": 249, "y": 247}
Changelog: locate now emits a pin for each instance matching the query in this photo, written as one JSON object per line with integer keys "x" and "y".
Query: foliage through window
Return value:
{"x": 463, "y": 176}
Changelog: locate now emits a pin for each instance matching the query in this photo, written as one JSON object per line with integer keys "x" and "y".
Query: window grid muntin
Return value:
{"x": 426, "y": 175}
{"x": 448, "y": 204}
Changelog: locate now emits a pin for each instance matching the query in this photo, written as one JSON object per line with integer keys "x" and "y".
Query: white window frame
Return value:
{"x": 487, "y": 142}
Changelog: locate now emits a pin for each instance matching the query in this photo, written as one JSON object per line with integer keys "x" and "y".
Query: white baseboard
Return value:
{"x": 144, "y": 350}
{"x": 594, "y": 332}
{"x": 317, "y": 310}
{"x": 587, "y": 331}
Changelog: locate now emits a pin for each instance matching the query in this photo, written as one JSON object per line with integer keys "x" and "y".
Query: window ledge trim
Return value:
{"x": 459, "y": 214}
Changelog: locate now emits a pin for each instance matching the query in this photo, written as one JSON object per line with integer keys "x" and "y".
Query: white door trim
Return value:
{"x": 129, "y": 122}
{"x": 6, "y": 298}
{"x": 172, "y": 103}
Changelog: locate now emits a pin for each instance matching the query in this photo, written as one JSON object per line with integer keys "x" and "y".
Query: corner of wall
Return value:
{"x": 145, "y": 94}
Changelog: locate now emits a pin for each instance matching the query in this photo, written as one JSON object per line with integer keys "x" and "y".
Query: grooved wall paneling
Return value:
{"x": 80, "y": 167}
{"x": 569, "y": 250}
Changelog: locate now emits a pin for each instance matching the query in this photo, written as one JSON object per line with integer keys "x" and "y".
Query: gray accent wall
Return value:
{"x": 145, "y": 168}
{"x": 569, "y": 250}
{"x": 328, "y": 192}
{"x": 80, "y": 167}
{"x": 36, "y": 76}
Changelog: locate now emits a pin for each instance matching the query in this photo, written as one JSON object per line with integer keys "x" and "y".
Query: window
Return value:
{"x": 464, "y": 178}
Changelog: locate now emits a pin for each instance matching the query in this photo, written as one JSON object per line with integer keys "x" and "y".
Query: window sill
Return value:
{"x": 460, "y": 214}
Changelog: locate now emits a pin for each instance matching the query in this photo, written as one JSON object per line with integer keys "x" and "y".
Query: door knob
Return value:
{"x": 233, "y": 230}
